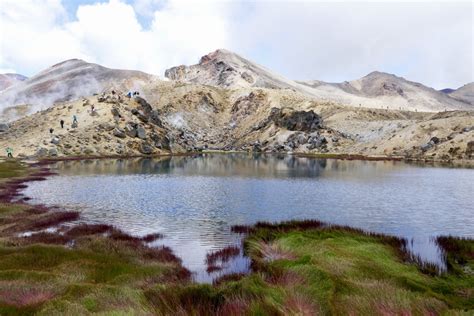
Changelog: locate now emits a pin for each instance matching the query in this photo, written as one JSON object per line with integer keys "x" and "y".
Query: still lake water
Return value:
{"x": 193, "y": 201}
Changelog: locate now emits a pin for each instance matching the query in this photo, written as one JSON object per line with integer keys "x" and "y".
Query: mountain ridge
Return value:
{"x": 75, "y": 78}
{"x": 66, "y": 81}
{"x": 377, "y": 89}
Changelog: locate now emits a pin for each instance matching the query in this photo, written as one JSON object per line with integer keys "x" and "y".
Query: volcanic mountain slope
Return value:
{"x": 376, "y": 90}
{"x": 7, "y": 80}
{"x": 464, "y": 93}
{"x": 261, "y": 114}
{"x": 176, "y": 117}
{"x": 68, "y": 80}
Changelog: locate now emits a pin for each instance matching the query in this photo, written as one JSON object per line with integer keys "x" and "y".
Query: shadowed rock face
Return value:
{"x": 306, "y": 121}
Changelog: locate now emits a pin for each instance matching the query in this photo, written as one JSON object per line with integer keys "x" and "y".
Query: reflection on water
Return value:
{"x": 193, "y": 201}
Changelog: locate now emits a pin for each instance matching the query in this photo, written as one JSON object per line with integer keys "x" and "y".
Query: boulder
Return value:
{"x": 53, "y": 152}
{"x": 131, "y": 129}
{"x": 106, "y": 126}
{"x": 146, "y": 148}
{"x": 120, "y": 149}
{"x": 470, "y": 148}
{"x": 119, "y": 133}
{"x": 257, "y": 147}
{"x": 426, "y": 146}
{"x": 144, "y": 105}
{"x": 315, "y": 140}
{"x": 41, "y": 152}
{"x": 292, "y": 120}
{"x": 3, "y": 127}
{"x": 142, "y": 117}
{"x": 302, "y": 138}
{"x": 141, "y": 133}
{"x": 161, "y": 142}
{"x": 115, "y": 112}
{"x": 55, "y": 140}
{"x": 155, "y": 119}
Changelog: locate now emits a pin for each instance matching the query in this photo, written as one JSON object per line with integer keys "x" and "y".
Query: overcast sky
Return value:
{"x": 428, "y": 42}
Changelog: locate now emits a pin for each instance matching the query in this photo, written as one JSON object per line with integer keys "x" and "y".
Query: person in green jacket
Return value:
{"x": 9, "y": 152}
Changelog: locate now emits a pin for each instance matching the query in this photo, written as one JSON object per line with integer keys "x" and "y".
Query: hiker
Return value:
{"x": 9, "y": 152}
{"x": 129, "y": 94}
{"x": 92, "y": 108}
{"x": 62, "y": 123}
{"x": 74, "y": 119}
{"x": 51, "y": 130}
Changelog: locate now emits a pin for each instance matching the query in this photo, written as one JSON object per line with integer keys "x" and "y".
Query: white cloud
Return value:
{"x": 31, "y": 36}
{"x": 427, "y": 42}
{"x": 109, "y": 33}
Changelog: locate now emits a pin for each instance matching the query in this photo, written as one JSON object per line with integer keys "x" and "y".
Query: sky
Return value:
{"x": 427, "y": 42}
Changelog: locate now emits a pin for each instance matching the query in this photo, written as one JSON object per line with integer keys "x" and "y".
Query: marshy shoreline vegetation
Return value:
{"x": 298, "y": 267}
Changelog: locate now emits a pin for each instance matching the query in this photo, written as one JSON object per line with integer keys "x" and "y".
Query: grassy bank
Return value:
{"x": 298, "y": 268}
{"x": 339, "y": 270}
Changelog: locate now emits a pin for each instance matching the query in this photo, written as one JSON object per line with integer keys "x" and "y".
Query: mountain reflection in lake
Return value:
{"x": 194, "y": 200}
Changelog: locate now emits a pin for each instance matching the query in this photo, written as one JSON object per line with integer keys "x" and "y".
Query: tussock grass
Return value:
{"x": 341, "y": 270}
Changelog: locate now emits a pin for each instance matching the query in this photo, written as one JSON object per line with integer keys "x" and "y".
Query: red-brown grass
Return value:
{"x": 37, "y": 209}
{"x": 162, "y": 254}
{"x": 300, "y": 305}
{"x": 241, "y": 229}
{"x": 451, "y": 244}
{"x": 151, "y": 237}
{"x": 21, "y": 297}
{"x": 213, "y": 268}
{"x": 88, "y": 229}
{"x": 46, "y": 238}
{"x": 9, "y": 191}
{"x": 457, "y": 250}
{"x": 223, "y": 255}
{"x": 284, "y": 278}
{"x": 52, "y": 219}
{"x": 117, "y": 234}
